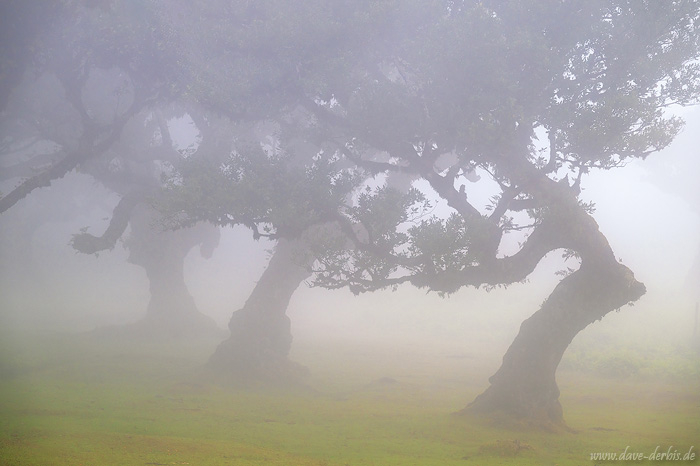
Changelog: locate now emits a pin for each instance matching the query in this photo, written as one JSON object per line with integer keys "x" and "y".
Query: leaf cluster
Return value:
{"x": 269, "y": 193}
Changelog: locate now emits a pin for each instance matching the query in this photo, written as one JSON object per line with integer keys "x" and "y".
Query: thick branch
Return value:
{"x": 552, "y": 163}
{"x": 486, "y": 242}
{"x": 499, "y": 271}
{"x": 444, "y": 186}
{"x": 578, "y": 227}
{"x": 27, "y": 168}
{"x": 88, "y": 147}
{"x": 90, "y": 244}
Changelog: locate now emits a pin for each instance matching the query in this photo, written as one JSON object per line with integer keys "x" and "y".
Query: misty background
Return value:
{"x": 649, "y": 211}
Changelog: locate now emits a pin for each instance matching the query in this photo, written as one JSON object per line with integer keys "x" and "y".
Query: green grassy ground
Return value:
{"x": 82, "y": 401}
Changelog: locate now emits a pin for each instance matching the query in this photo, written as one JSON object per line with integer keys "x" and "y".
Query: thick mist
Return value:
{"x": 646, "y": 211}
{"x": 305, "y": 233}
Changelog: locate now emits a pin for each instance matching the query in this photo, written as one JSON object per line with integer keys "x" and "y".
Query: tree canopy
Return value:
{"x": 525, "y": 93}
{"x": 530, "y": 96}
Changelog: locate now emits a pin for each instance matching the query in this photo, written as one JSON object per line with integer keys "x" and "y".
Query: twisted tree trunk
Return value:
{"x": 261, "y": 336}
{"x": 525, "y": 386}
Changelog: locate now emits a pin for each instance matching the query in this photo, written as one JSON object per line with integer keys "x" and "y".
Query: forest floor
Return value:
{"x": 81, "y": 400}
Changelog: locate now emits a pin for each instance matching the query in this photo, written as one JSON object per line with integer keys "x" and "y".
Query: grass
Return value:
{"x": 81, "y": 401}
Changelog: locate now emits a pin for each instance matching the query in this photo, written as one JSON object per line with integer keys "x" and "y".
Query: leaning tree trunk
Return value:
{"x": 261, "y": 336}
{"x": 171, "y": 311}
{"x": 525, "y": 387}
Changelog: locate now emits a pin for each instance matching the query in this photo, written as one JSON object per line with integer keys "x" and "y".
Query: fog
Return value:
{"x": 303, "y": 233}
{"x": 646, "y": 211}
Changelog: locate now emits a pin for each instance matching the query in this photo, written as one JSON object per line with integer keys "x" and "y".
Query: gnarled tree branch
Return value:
{"x": 90, "y": 244}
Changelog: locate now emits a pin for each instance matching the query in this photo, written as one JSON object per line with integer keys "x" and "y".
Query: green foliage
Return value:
{"x": 592, "y": 74}
{"x": 376, "y": 211}
{"x": 443, "y": 244}
{"x": 269, "y": 192}
{"x": 375, "y": 220}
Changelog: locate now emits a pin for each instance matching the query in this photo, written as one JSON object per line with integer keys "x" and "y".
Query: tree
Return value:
{"x": 78, "y": 43}
{"x": 152, "y": 50}
{"x": 133, "y": 168}
{"x": 595, "y": 78}
{"x": 81, "y": 93}
{"x": 477, "y": 83}
{"x": 437, "y": 90}
{"x": 255, "y": 63}
{"x": 283, "y": 194}
{"x": 261, "y": 337}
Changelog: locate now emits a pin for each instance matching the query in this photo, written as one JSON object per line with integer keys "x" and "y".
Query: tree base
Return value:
{"x": 524, "y": 389}
{"x": 512, "y": 402}
{"x": 505, "y": 412}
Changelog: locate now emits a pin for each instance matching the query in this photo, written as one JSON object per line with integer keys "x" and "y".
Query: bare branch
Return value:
{"x": 88, "y": 147}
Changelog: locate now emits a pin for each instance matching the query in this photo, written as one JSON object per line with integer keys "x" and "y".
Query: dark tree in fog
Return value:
{"x": 133, "y": 168}
{"x": 280, "y": 187}
{"x": 479, "y": 85}
{"x": 321, "y": 95}
{"x": 261, "y": 337}
{"x": 256, "y": 63}
{"x": 82, "y": 93}
{"x": 458, "y": 87}
{"x": 141, "y": 46}
{"x": 77, "y": 43}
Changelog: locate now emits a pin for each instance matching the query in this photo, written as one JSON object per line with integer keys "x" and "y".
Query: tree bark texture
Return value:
{"x": 261, "y": 337}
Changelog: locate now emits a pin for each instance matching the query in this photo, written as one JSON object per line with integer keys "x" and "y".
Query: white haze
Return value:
{"x": 647, "y": 215}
